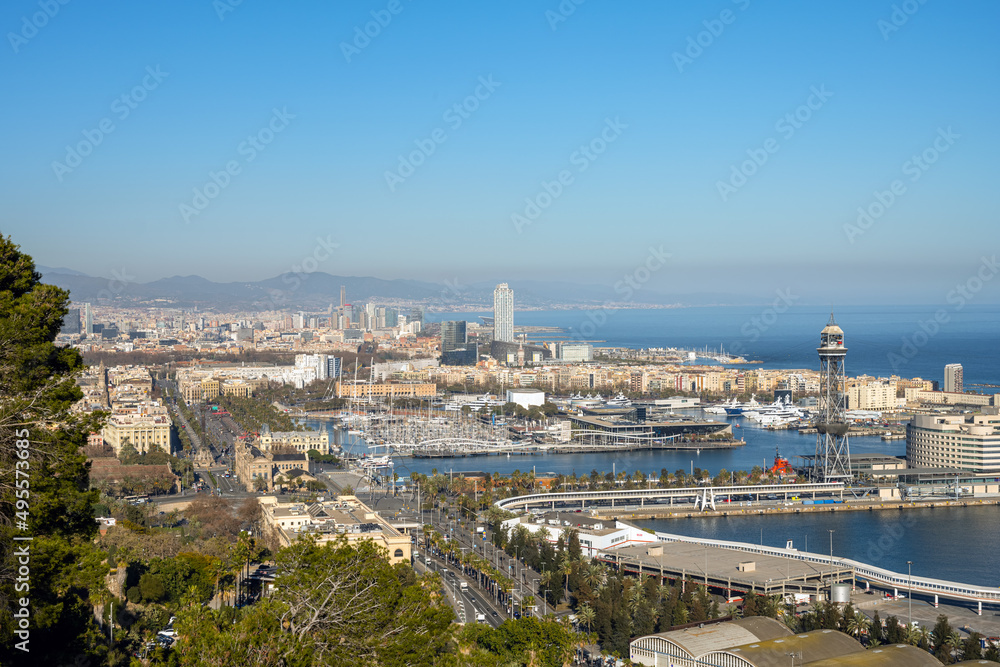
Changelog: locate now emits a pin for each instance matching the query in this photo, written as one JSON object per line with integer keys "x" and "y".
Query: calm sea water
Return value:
{"x": 953, "y": 543}
{"x": 881, "y": 341}
{"x": 759, "y": 450}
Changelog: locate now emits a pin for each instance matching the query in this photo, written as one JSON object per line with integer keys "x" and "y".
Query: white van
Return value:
{"x": 480, "y": 617}
{"x": 464, "y": 586}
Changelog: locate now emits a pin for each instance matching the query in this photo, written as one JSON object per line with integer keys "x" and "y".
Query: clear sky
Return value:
{"x": 671, "y": 97}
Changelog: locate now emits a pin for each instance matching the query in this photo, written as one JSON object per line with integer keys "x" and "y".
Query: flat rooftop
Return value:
{"x": 686, "y": 559}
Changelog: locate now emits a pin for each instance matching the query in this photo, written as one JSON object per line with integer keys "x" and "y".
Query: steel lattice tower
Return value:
{"x": 833, "y": 455}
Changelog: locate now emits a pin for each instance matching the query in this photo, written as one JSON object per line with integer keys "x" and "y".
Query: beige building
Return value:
{"x": 251, "y": 464}
{"x": 143, "y": 431}
{"x": 916, "y": 396}
{"x": 380, "y": 390}
{"x": 874, "y": 395}
{"x": 962, "y": 442}
{"x": 236, "y": 388}
{"x": 342, "y": 515}
{"x": 300, "y": 441}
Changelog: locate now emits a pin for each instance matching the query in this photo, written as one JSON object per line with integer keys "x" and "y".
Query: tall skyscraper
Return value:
{"x": 88, "y": 319}
{"x": 453, "y": 335}
{"x": 833, "y": 454}
{"x": 343, "y": 295}
{"x": 503, "y": 313}
{"x": 953, "y": 378}
{"x": 71, "y": 323}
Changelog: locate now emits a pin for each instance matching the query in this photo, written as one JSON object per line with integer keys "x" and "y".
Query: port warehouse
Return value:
{"x": 683, "y": 556}
{"x": 764, "y": 642}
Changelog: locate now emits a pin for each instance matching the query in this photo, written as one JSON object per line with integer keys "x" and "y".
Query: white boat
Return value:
{"x": 619, "y": 401}
{"x": 377, "y": 462}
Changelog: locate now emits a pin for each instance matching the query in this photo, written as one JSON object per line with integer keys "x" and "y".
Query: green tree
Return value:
{"x": 151, "y": 587}
{"x": 972, "y": 647}
{"x": 585, "y": 615}
{"x": 941, "y": 633}
{"x": 335, "y": 604}
{"x": 40, "y": 457}
{"x": 526, "y": 641}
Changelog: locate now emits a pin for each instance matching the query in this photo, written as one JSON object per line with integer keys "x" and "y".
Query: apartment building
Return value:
{"x": 327, "y": 521}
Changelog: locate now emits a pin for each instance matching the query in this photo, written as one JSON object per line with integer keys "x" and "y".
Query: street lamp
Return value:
{"x": 909, "y": 593}
{"x": 545, "y": 594}
{"x": 832, "y": 531}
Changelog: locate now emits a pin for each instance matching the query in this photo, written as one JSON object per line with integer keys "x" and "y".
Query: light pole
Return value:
{"x": 832, "y": 531}
{"x": 909, "y": 594}
{"x": 545, "y": 594}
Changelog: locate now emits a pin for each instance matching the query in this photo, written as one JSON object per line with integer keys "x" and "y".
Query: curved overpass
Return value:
{"x": 630, "y": 498}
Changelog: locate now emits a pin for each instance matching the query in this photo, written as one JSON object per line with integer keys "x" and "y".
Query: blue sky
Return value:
{"x": 675, "y": 127}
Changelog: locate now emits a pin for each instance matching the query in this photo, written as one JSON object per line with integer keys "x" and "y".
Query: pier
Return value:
{"x": 460, "y": 449}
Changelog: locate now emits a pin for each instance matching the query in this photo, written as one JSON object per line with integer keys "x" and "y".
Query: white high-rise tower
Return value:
{"x": 503, "y": 313}
{"x": 833, "y": 455}
{"x": 953, "y": 380}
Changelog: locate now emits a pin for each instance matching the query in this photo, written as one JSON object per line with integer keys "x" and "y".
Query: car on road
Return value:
{"x": 480, "y": 617}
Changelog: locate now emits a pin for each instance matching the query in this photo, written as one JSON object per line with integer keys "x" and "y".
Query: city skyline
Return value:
{"x": 737, "y": 140}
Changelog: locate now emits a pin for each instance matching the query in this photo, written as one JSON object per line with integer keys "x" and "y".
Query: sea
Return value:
{"x": 959, "y": 544}
{"x": 909, "y": 341}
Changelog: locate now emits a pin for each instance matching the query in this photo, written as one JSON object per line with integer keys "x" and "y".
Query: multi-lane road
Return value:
{"x": 471, "y": 604}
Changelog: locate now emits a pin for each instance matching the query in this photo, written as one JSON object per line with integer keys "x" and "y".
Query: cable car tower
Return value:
{"x": 833, "y": 455}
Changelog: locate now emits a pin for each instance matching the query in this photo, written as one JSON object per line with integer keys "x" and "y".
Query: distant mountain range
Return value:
{"x": 318, "y": 290}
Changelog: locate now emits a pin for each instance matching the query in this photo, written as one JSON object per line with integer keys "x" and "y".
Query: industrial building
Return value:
{"x": 595, "y": 533}
{"x": 764, "y": 642}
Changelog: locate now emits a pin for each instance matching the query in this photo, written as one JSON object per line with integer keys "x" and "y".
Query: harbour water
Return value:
{"x": 759, "y": 451}
{"x": 953, "y": 543}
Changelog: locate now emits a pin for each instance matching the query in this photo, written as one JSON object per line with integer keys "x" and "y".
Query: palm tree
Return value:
{"x": 595, "y": 576}
{"x": 635, "y": 597}
{"x": 547, "y": 579}
{"x": 858, "y": 624}
{"x": 774, "y": 604}
{"x": 925, "y": 636}
{"x": 566, "y": 568}
{"x": 586, "y": 615}
{"x": 953, "y": 641}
